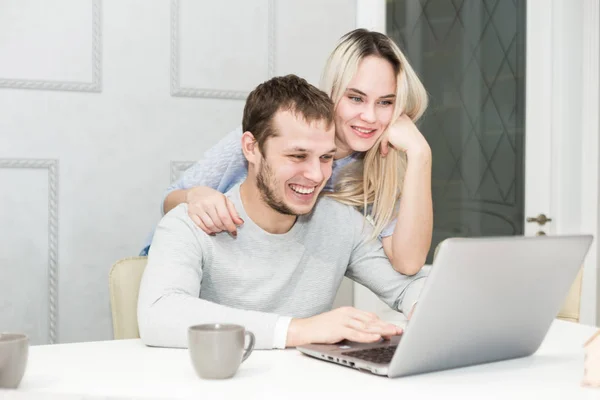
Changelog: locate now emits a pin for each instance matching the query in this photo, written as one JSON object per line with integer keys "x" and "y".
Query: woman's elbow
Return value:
{"x": 408, "y": 267}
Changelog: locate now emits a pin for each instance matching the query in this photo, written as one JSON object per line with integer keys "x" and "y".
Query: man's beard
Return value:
{"x": 265, "y": 182}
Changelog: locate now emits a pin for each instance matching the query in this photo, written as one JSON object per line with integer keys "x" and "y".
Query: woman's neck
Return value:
{"x": 343, "y": 150}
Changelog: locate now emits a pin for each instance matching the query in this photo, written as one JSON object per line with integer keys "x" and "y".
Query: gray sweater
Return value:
{"x": 253, "y": 280}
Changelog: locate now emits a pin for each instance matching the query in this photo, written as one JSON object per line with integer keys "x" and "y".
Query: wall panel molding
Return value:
{"x": 52, "y": 167}
{"x": 213, "y": 93}
{"x": 94, "y": 86}
{"x": 177, "y": 167}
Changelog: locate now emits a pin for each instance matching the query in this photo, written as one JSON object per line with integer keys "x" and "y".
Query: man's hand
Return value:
{"x": 342, "y": 323}
{"x": 212, "y": 211}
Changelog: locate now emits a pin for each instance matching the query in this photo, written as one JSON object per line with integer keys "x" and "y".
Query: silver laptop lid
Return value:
{"x": 488, "y": 299}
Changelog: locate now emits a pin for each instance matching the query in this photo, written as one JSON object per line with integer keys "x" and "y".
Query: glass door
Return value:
{"x": 470, "y": 55}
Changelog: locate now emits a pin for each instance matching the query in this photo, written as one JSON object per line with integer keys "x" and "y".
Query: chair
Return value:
{"x": 124, "y": 286}
{"x": 570, "y": 308}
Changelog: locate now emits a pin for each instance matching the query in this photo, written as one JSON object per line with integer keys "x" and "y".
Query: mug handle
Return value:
{"x": 247, "y": 351}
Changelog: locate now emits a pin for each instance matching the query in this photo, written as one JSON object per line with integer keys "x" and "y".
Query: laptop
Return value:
{"x": 485, "y": 300}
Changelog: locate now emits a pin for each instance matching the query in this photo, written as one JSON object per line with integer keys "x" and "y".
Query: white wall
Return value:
{"x": 97, "y": 100}
{"x": 101, "y": 102}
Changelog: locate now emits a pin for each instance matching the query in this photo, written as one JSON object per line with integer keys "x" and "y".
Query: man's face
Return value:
{"x": 297, "y": 163}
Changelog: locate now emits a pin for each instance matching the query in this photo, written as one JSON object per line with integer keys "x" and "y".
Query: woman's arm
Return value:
{"x": 407, "y": 248}
{"x": 174, "y": 198}
{"x": 222, "y": 166}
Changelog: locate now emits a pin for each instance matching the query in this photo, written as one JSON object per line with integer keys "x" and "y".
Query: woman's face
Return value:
{"x": 366, "y": 107}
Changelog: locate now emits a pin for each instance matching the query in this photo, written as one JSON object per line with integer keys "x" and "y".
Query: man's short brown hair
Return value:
{"x": 284, "y": 93}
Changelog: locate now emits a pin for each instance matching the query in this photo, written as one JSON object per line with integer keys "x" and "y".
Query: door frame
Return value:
{"x": 561, "y": 173}
{"x": 590, "y": 151}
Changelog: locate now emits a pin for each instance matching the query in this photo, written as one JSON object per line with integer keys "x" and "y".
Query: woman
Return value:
{"x": 381, "y": 155}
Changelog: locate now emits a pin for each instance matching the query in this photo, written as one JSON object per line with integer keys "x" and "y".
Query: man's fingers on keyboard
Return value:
{"x": 365, "y": 316}
{"x": 358, "y": 325}
{"x": 363, "y": 337}
{"x": 383, "y": 327}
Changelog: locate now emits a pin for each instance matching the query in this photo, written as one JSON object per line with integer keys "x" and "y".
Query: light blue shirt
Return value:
{"x": 224, "y": 165}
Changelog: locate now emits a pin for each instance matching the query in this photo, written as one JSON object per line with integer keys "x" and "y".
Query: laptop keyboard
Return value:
{"x": 379, "y": 355}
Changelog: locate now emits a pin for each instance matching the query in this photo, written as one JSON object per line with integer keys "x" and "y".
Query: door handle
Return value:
{"x": 540, "y": 219}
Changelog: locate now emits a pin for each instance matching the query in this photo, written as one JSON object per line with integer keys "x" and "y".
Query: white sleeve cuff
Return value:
{"x": 281, "y": 330}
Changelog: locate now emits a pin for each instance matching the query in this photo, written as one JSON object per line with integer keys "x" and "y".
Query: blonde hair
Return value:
{"x": 375, "y": 181}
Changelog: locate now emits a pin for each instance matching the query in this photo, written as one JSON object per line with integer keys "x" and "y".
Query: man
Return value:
{"x": 278, "y": 277}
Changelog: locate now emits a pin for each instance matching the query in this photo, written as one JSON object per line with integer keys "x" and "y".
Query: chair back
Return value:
{"x": 124, "y": 286}
{"x": 570, "y": 308}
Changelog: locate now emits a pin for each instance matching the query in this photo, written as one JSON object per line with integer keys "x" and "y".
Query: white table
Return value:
{"x": 128, "y": 369}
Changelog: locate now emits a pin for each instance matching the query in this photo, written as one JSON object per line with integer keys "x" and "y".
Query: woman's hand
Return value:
{"x": 405, "y": 136}
{"x": 212, "y": 211}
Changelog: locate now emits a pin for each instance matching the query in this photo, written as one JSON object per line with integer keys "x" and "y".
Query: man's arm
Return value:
{"x": 370, "y": 267}
{"x": 169, "y": 302}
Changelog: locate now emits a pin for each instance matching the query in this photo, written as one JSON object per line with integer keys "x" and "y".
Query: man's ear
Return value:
{"x": 250, "y": 148}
